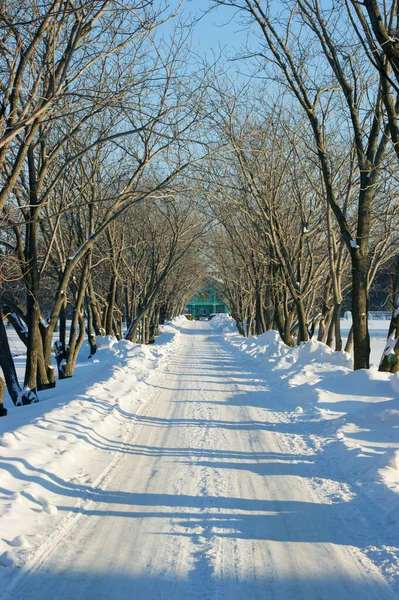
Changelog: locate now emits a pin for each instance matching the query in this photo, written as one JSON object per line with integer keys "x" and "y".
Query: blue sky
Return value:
{"x": 215, "y": 30}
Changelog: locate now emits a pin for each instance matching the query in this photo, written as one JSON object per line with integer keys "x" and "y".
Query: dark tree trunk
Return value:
{"x": 268, "y": 310}
{"x": 361, "y": 337}
{"x": 17, "y": 319}
{"x": 146, "y": 328}
{"x": 63, "y": 325}
{"x": 17, "y": 394}
{"x": 338, "y": 337}
{"x": 90, "y": 333}
{"x": 313, "y": 326}
{"x": 32, "y": 307}
{"x": 258, "y": 309}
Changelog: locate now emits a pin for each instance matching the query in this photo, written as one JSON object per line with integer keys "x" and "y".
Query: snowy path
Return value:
{"x": 213, "y": 498}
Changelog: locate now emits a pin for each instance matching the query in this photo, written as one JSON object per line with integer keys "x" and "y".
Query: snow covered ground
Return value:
{"x": 349, "y": 419}
{"x": 206, "y": 466}
{"x": 53, "y": 452}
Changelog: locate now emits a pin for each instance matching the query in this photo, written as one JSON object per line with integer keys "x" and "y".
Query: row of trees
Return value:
{"x": 311, "y": 183}
{"x": 116, "y": 156}
{"x": 98, "y": 126}
{"x": 125, "y": 287}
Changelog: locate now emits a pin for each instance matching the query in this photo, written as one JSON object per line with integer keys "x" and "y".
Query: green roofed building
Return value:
{"x": 207, "y": 301}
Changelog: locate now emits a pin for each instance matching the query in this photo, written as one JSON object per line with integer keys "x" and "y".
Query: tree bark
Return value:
{"x": 303, "y": 334}
{"x": 110, "y": 304}
{"x": 90, "y": 333}
{"x": 17, "y": 394}
{"x": 338, "y": 337}
{"x": 66, "y": 360}
{"x": 349, "y": 341}
{"x": 3, "y": 411}
{"x": 361, "y": 337}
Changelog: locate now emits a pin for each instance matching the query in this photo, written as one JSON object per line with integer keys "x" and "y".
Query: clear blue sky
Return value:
{"x": 215, "y": 30}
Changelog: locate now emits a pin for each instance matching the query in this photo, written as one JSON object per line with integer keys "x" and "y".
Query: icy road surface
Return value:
{"x": 214, "y": 498}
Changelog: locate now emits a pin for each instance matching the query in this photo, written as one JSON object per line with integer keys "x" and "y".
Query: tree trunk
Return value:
{"x": 110, "y": 304}
{"x": 338, "y": 337}
{"x": 349, "y": 341}
{"x": 67, "y": 363}
{"x": 67, "y": 353}
{"x": 17, "y": 394}
{"x": 303, "y": 334}
{"x": 361, "y": 337}
{"x": 279, "y": 317}
{"x": 315, "y": 321}
{"x": 34, "y": 339}
{"x": 157, "y": 316}
{"x": 62, "y": 334}
{"x": 334, "y": 329}
{"x": 90, "y": 333}
{"x": 96, "y": 313}
{"x": 74, "y": 351}
{"x": 117, "y": 327}
{"x": 258, "y": 313}
{"x": 17, "y": 319}
{"x": 325, "y": 320}
{"x": 268, "y": 309}
{"x": 3, "y": 411}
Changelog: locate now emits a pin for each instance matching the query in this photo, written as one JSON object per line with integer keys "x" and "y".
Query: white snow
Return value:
{"x": 395, "y": 383}
{"x": 204, "y": 466}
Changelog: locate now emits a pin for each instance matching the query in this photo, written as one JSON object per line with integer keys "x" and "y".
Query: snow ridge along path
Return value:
{"x": 213, "y": 496}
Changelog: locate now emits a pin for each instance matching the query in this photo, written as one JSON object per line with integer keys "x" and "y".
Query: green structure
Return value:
{"x": 206, "y": 302}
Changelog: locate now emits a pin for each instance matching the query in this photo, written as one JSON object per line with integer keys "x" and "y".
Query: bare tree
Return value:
{"x": 293, "y": 41}
{"x": 127, "y": 138}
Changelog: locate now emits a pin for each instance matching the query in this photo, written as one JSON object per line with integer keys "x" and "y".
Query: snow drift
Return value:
{"x": 350, "y": 417}
{"x": 53, "y": 454}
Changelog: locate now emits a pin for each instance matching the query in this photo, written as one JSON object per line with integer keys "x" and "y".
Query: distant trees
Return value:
{"x": 116, "y": 158}
{"x": 348, "y": 126}
{"x": 97, "y": 115}
{"x": 277, "y": 230}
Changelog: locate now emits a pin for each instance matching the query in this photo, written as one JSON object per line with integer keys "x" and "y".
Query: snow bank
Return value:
{"x": 352, "y": 417}
{"x": 280, "y": 357}
{"x": 53, "y": 454}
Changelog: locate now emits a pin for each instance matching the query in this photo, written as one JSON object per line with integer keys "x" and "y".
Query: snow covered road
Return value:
{"x": 214, "y": 497}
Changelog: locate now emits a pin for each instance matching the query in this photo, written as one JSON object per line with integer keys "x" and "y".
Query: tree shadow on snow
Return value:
{"x": 201, "y": 582}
